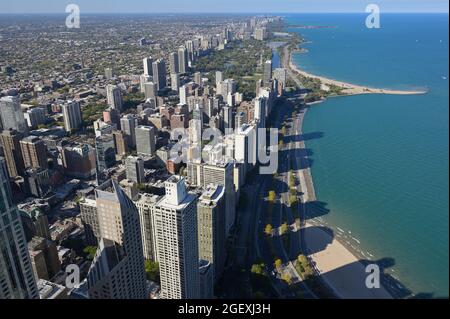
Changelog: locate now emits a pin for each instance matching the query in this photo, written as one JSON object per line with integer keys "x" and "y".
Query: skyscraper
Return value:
{"x": 106, "y": 153}
{"x": 72, "y": 115}
{"x": 198, "y": 78}
{"x": 128, "y": 125}
{"x": 13, "y": 153}
{"x": 159, "y": 74}
{"x": 11, "y": 114}
{"x": 150, "y": 90}
{"x": 148, "y": 68}
{"x": 221, "y": 173}
{"x": 175, "y": 81}
{"x": 183, "y": 60}
{"x": 267, "y": 72}
{"x": 145, "y": 140}
{"x": 144, "y": 79}
{"x": 183, "y": 95}
{"x": 174, "y": 63}
{"x": 135, "y": 169}
{"x": 114, "y": 97}
{"x": 175, "y": 225}
{"x": 211, "y": 228}
{"x": 16, "y": 274}
{"x": 34, "y": 152}
{"x": 117, "y": 271}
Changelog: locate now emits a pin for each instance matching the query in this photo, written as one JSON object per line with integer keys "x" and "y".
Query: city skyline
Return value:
{"x": 232, "y": 6}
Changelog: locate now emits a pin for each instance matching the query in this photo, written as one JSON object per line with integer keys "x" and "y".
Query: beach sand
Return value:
{"x": 338, "y": 267}
{"x": 348, "y": 88}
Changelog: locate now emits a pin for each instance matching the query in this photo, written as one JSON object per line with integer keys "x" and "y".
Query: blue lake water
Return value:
{"x": 382, "y": 165}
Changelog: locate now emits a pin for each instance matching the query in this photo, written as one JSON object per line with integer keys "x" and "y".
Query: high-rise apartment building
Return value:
{"x": 11, "y": 114}
{"x": 183, "y": 60}
{"x": 175, "y": 223}
{"x": 10, "y": 140}
{"x": 174, "y": 63}
{"x": 159, "y": 74}
{"x": 114, "y": 96}
{"x": 72, "y": 115}
{"x": 34, "y": 152}
{"x": 267, "y": 72}
{"x": 148, "y": 68}
{"x": 117, "y": 271}
{"x": 211, "y": 228}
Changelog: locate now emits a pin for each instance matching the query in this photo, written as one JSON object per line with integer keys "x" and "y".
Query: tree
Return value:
{"x": 90, "y": 251}
{"x": 302, "y": 260}
{"x": 284, "y": 229}
{"x": 258, "y": 269}
{"x": 292, "y": 200}
{"x": 287, "y": 278}
{"x": 278, "y": 264}
{"x": 268, "y": 231}
{"x": 272, "y": 196}
{"x": 152, "y": 271}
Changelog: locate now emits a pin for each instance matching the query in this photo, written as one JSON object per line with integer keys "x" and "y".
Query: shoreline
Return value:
{"x": 348, "y": 89}
{"x": 337, "y": 266}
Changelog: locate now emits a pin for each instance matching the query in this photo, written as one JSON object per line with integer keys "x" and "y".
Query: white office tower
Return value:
{"x": 267, "y": 72}
{"x": 72, "y": 115}
{"x": 117, "y": 271}
{"x": 182, "y": 60}
{"x": 159, "y": 74}
{"x": 144, "y": 79}
{"x": 148, "y": 66}
{"x": 114, "y": 96}
{"x": 16, "y": 273}
{"x": 260, "y": 111}
{"x": 145, "y": 140}
{"x": 174, "y": 63}
{"x": 150, "y": 90}
{"x": 175, "y": 81}
{"x": 211, "y": 228}
{"x": 134, "y": 166}
{"x": 175, "y": 218}
{"x": 11, "y": 114}
{"x": 183, "y": 95}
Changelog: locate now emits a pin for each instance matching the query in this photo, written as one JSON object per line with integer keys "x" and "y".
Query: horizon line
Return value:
{"x": 246, "y": 13}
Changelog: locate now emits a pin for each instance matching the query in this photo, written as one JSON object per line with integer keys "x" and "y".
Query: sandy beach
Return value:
{"x": 340, "y": 269}
{"x": 348, "y": 88}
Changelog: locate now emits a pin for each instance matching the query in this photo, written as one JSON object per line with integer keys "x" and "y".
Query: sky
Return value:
{"x": 221, "y": 6}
